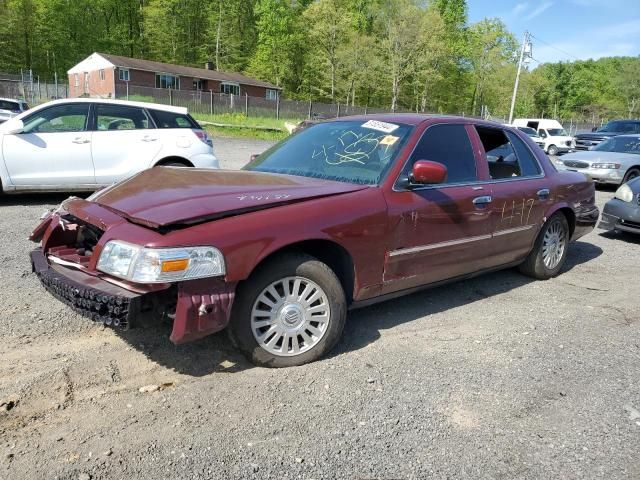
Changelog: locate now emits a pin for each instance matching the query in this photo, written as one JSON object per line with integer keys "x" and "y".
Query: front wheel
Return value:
{"x": 290, "y": 312}
{"x": 550, "y": 249}
{"x": 552, "y": 150}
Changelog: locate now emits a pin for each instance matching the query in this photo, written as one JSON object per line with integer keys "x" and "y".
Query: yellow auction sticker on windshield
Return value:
{"x": 389, "y": 140}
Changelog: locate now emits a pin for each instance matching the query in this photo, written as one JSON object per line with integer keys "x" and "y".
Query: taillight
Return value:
{"x": 204, "y": 137}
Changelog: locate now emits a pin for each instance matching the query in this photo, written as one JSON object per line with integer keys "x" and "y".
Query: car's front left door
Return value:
{"x": 439, "y": 231}
{"x": 54, "y": 149}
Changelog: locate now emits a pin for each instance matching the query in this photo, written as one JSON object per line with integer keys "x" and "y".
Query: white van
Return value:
{"x": 555, "y": 138}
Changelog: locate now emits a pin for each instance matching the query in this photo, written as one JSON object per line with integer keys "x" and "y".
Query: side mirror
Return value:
{"x": 427, "y": 172}
{"x": 12, "y": 126}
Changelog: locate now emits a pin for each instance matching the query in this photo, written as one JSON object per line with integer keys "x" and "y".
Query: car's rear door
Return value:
{"x": 124, "y": 141}
{"x": 520, "y": 192}
{"x": 438, "y": 231}
{"x": 54, "y": 149}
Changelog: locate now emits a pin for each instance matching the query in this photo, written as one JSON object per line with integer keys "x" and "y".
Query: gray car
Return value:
{"x": 614, "y": 161}
{"x": 622, "y": 213}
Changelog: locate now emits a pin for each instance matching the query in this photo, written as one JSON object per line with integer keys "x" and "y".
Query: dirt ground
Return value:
{"x": 496, "y": 377}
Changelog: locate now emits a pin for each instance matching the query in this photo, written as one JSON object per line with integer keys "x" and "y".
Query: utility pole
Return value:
{"x": 525, "y": 54}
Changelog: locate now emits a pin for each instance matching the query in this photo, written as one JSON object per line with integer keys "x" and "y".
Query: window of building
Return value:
{"x": 230, "y": 88}
{"x": 272, "y": 94}
{"x": 86, "y": 82}
{"x": 119, "y": 117}
{"x": 101, "y": 74}
{"x": 123, "y": 74}
{"x": 198, "y": 84}
{"x": 449, "y": 145}
{"x": 165, "y": 80}
{"x": 76, "y": 80}
{"x": 507, "y": 155}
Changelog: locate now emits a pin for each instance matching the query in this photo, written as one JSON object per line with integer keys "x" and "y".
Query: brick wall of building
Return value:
{"x": 94, "y": 85}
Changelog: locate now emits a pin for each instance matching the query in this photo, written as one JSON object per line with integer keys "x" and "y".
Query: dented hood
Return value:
{"x": 164, "y": 196}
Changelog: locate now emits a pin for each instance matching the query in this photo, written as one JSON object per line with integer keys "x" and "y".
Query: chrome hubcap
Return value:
{"x": 553, "y": 244}
{"x": 290, "y": 316}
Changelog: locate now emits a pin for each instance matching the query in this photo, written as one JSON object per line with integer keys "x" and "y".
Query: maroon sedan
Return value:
{"x": 343, "y": 214}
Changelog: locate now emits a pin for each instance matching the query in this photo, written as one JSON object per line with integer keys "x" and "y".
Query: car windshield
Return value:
{"x": 621, "y": 127}
{"x": 529, "y": 131}
{"x": 620, "y": 145}
{"x": 557, "y": 132}
{"x": 346, "y": 151}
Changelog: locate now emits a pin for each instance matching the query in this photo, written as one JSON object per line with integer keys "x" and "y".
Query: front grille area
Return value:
{"x": 106, "y": 306}
{"x": 576, "y": 164}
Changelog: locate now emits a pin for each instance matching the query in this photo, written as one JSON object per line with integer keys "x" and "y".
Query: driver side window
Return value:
{"x": 61, "y": 118}
{"x": 449, "y": 145}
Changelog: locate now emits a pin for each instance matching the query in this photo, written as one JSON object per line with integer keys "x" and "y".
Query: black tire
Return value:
{"x": 534, "y": 265}
{"x": 173, "y": 164}
{"x": 278, "y": 268}
{"x": 552, "y": 150}
{"x": 631, "y": 174}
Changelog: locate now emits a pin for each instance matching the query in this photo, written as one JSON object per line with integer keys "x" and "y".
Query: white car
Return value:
{"x": 85, "y": 144}
{"x": 553, "y": 135}
{"x": 10, "y": 107}
{"x": 614, "y": 161}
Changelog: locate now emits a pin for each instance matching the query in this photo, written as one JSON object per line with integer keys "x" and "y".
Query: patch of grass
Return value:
{"x": 244, "y": 121}
{"x": 245, "y": 133}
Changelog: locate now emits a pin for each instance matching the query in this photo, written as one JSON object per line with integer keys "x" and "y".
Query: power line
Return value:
{"x": 554, "y": 47}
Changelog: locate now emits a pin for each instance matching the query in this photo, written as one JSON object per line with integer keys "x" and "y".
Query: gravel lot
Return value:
{"x": 496, "y": 377}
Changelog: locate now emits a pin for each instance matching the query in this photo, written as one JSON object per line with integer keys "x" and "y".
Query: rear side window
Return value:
{"x": 172, "y": 120}
{"x": 528, "y": 163}
{"x": 11, "y": 106}
{"x": 507, "y": 155}
{"x": 449, "y": 145}
{"x": 119, "y": 117}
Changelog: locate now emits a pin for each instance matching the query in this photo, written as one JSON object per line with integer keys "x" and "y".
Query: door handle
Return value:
{"x": 147, "y": 138}
{"x": 543, "y": 194}
{"x": 80, "y": 140}
{"x": 483, "y": 201}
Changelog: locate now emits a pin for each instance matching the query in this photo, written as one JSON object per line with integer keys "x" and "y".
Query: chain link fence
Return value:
{"x": 31, "y": 89}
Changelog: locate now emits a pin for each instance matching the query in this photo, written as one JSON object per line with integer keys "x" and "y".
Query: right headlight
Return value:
{"x": 159, "y": 265}
{"x": 624, "y": 193}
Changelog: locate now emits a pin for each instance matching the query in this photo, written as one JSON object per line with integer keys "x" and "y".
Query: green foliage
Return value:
{"x": 418, "y": 55}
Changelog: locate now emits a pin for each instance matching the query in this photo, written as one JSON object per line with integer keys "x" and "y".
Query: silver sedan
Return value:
{"x": 614, "y": 161}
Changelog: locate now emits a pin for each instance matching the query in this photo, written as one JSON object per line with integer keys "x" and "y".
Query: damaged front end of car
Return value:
{"x": 81, "y": 263}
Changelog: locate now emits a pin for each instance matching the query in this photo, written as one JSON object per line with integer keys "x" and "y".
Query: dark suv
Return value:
{"x": 584, "y": 141}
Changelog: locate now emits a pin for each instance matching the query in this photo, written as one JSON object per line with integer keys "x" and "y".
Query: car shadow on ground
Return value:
{"x": 44, "y": 199}
{"x": 215, "y": 353}
{"x": 630, "y": 238}
{"x": 364, "y": 325}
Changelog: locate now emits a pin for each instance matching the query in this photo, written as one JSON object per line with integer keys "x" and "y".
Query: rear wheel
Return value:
{"x": 550, "y": 249}
{"x": 631, "y": 174}
{"x": 290, "y": 312}
{"x": 552, "y": 150}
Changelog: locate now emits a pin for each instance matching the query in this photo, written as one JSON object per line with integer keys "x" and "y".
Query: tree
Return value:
{"x": 399, "y": 25}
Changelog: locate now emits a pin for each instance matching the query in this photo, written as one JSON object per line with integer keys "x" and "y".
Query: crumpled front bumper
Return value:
{"x": 619, "y": 215}
{"x": 202, "y": 307}
{"x": 92, "y": 297}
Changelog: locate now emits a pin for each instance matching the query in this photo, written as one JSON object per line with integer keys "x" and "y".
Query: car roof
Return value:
{"x": 13, "y": 100}
{"x": 154, "y": 106}
{"x": 417, "y": 119}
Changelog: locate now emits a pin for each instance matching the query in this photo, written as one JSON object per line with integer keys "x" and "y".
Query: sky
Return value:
{"x": 566, "y": 30}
